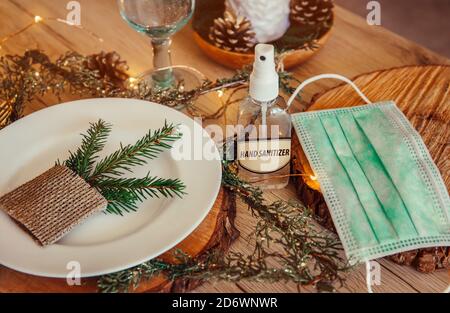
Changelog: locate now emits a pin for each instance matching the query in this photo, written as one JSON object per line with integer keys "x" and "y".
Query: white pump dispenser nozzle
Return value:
{"x": 264, "y": 78}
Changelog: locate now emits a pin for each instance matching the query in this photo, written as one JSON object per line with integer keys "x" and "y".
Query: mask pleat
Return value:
{"x": 358, "y": 221}
{"x": 372, "y": 207}
{"x": 400, "y": 168}
{"x": 385, "y": 191}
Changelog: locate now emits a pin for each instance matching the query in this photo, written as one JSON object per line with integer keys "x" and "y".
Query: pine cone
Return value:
{"x": 425, "y": 260}
{"x": 431, "y": 259}
{"x": 311, "y": 12}
{"x": 232, "y": 34}
{"x": 109, "y": 66}
{"x": 405, "y": 258}
{"x": 269, "y": 18}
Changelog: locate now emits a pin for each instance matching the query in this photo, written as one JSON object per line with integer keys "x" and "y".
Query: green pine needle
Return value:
{"x": 123, "y": 194}
{"x": 126, "y": 157}
{"x": 82, "y": 161}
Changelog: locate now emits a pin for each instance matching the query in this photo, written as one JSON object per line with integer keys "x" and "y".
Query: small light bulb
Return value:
{"x": 38, "y": 19}
{"x": 220, "y": 93}
{"x": 131, "y": 82}
{"x": 313, "y": 177}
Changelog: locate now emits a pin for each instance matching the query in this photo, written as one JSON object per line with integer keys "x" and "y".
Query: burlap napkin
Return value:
{"x": 52, "y": 204}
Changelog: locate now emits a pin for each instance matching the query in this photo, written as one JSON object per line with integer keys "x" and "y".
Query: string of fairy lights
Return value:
{"x": 131, "y": 81}
{"x": 41, "y": 20}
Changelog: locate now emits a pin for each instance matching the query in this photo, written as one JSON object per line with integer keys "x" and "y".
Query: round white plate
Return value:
{"x": 105, "y": 242}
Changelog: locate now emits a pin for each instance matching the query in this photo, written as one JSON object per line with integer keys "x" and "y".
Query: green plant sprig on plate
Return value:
{"x": 123, "y": 194}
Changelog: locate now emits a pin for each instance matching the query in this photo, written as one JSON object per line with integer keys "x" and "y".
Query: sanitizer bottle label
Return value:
{"x": 264, "y": 155}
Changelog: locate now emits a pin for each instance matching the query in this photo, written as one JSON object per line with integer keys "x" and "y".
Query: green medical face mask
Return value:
{"x": 383, "y": 190}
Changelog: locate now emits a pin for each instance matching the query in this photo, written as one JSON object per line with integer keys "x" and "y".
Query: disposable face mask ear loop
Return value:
{"x": 325, "y": 76}
{"x": 368, "y": 277}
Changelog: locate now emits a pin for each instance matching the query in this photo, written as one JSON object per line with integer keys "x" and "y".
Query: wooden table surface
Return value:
{"x": 354, "y": 48}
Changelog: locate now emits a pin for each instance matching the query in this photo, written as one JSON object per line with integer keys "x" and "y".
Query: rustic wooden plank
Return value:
{"x": 353, "y": 48}
{"x": 352, "y": 40}
{"x": 102, "y": 17}
{"x": 434, "y": 282}
{"x": 36, "y": 37}
{"x": 214, "y": 286}
{"x": 246, "y": 224}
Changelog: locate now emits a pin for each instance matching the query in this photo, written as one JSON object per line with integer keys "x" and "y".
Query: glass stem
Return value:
{"x": 162, "y": 62}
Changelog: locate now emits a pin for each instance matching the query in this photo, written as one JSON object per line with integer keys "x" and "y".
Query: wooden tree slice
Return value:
{"x": 213, "y": 232}
{"x": 422, "y": 93}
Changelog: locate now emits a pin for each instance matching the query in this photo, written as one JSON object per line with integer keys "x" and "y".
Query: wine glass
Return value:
{"x": 160, "y": 19}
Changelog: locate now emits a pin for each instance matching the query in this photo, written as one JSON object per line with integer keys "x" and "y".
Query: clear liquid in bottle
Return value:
{"x": 264, "y": 138}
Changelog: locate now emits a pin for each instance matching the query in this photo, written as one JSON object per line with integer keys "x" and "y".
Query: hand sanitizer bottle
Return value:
{"x": 264, "y": 135}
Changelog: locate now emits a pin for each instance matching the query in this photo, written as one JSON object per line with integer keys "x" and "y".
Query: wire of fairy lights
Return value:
{"x": 41, "y": 20}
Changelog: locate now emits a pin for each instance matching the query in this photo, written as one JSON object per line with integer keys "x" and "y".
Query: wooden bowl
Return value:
{"x": 236, "y": 60}
{"x": 292, "y": 41}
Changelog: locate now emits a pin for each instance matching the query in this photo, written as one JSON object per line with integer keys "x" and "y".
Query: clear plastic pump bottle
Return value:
{"x": 264, "y": 138}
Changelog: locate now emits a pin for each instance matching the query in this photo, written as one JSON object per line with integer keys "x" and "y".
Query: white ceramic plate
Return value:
{"x": 104, "y": 243}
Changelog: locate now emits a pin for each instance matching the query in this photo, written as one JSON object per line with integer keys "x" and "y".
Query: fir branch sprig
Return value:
{"x": 123, "y": 193}
{"x": 82, "y": 161}
{"x": 146, "y": 148}
{"x": 308, "y": 257}
{"x": 24, "y": 76}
